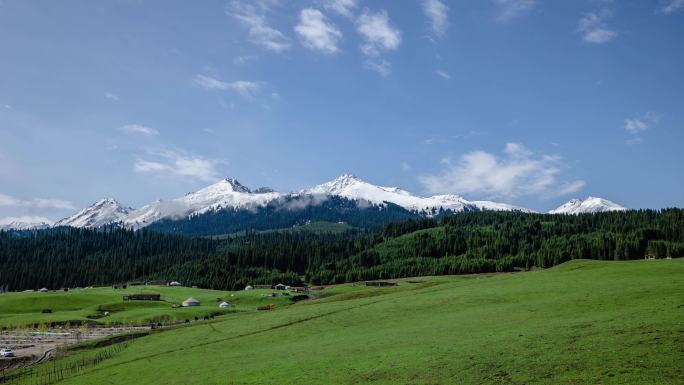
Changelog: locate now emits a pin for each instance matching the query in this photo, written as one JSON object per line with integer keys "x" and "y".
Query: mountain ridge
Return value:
{"x": 229, "y": 193}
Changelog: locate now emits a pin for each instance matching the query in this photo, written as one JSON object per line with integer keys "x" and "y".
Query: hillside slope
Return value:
{"x": 583, "y": 322}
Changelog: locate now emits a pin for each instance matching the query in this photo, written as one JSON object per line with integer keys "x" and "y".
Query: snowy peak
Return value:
{"x": 106, "y": 211}
{"x": 351, "y": 187}
{"x": 338, "y": 186}
{"x": 234, "y": 185}
{"x": 589, "y": 205}
{"x": 24, "y": 223}
{"x": 225, "y": 194}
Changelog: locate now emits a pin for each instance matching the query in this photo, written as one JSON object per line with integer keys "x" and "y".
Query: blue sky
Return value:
{"x": 531, "y": 102}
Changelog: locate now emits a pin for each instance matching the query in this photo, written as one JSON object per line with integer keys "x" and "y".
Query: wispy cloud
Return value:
{"x": 381, "y": 66}
{"x": 673, "y": 6}
{"x": 437, "y": 12}
{"x": 379, "y": 37}
{"x": 594, "y": 29}
{"x": 35, "y": 203}
{"x": 633, "y": 141}
{"x": 511, "y": 9}
{"x": 111, "y": 96}
{"x": 244, "y": 59}
{"x": 405, "y": 166}
{"x": 139, "y": 129}
{"x": 317, "y": 32}
{"x": 643, "y": 123}
{"x": 253, "y": 16}
{"x": 345, "y": 8}
{"x": 242, "y": 87}
{"x": 443, "y": 74}
{"x": 518, "y": 172}
{"x": 178, "y": 164}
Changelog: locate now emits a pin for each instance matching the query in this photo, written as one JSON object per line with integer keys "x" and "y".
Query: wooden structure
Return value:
{"x": 649, "y": 256}
{"x": 142, "y": 297}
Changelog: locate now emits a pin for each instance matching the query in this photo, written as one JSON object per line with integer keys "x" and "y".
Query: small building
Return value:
{"x": 300, "y": 289}
{"x": 280, "y": 286}
{"x": 248, "y": 287}
{"x": 191, "y": 302}
{"x": 224, "y": 305}
{"x": 380, "y": 283}
{"x": 174, "y": 283}
{"x": 142, "y": 297}
{"x": 649, "y": 256}
{"x": 43, "y": 290}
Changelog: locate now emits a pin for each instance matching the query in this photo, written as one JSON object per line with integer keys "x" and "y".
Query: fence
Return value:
{"x": 50, "y": 373}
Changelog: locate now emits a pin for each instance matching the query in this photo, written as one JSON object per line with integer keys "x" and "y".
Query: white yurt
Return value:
{"x": 174, "y": 283}
{"x": 249, "y": 287}
{"x": 43, "y": 290}
{"x": 224, "y": 305}
{"x": 191, "y": 302}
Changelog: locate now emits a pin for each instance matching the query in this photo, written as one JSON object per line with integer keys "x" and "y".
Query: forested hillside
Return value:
{"x": 464, "y": 243}
{"x": 287, "y": 212}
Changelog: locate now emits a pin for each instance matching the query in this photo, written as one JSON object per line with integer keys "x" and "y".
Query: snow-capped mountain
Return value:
{"x": 351, "y": 187}
{"x": 24, "y": 223}
{"x": 589, "y": 205}
{"x": 228, "y": 193}
{"x": 104, "y": 212}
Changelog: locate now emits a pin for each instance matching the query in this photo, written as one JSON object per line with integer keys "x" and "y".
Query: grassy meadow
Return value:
{"x": 88, "y": 305}
{"x": 583, "y": 322}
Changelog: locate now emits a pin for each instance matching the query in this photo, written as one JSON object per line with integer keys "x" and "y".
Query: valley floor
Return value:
{"x": 583, "y": 322}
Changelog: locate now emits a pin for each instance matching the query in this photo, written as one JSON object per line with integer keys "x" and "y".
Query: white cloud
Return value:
{"x": 242, "y": 87}
{"x": 317, "y": 32}
{"x": 442, "y": 74}
{"x": 24, "y": 219}
{"x": 149, "y": 166}
{"x": 178, "y": 164}
{"x": 253, "y": 16}
{"x": 636, "y": 125}
{"x": 381, "y": 66}
{"x": 275, "y": 95}
{"x": 511, "y": 9}
{"x": 405, "y": 166}
{"x": 518, "y": 172}
{"x": 111, "y": 96}
{"x": 673, "y": 6}
{"x": 139, "y": 129}
{"x": 35, "y": 203}
{"x": 244, "y": 59}
{"x": 593, "y": 28}
{"x": 379, "y": 37}
{"x": 377, "y": 32}
{"x": 437, "y": 12}
{"x": 343, "y": 7}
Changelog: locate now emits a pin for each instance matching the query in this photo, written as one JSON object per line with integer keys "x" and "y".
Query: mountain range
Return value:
{"x": 229, "y": 195}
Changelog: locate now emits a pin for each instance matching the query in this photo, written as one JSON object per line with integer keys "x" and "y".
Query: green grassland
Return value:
{"x": 583, "y": 322}
{"x": 89, "y": 305}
